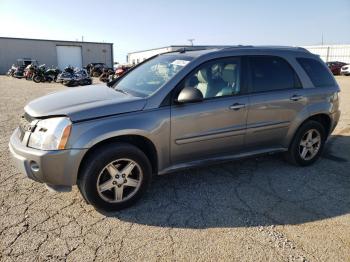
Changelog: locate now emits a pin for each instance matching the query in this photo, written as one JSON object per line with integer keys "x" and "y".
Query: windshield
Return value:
{"x": 150, "y": 76}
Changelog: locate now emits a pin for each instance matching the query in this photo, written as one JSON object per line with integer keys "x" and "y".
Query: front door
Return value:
{"x": 215, "y": 126}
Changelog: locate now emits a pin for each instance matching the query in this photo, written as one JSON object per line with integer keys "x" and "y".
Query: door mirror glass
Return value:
{"x": 189, "y": 95}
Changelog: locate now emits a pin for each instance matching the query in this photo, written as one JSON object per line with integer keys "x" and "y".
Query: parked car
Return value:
{"x": 345, "y": 70}
{"x": 335, "y": 67}
{"x": 177, "y": 110}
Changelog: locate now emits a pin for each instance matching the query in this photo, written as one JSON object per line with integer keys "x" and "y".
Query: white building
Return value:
{"x": 139, "y": 56}
{"x": 329, "y": 53}
{"x": 53, "y": 52}
{"x": 326, "y": 52}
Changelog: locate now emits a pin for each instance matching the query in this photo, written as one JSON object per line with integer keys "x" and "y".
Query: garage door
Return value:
{"x": 69, "y": 56}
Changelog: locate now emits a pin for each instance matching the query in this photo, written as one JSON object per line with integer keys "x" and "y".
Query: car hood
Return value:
{"x": 81, "y": 103}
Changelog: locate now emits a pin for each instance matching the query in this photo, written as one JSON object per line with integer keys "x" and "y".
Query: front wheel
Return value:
{"x": 307, "y": 144}
{"x": 115, "y": 177}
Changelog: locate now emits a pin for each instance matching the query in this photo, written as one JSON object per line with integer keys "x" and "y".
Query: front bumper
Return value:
{"x": 334, "y": 121}
{"x": 56, "y": 167}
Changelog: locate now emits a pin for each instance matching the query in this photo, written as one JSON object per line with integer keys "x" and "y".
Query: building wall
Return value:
{"x": 44, "y": 51}
{"x": 137, "y": 57}
{"x": 326, "y": 52}
{"x": 329, "y": 53}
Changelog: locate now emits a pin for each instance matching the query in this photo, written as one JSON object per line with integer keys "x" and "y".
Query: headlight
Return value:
{"x": 51, "y": 134}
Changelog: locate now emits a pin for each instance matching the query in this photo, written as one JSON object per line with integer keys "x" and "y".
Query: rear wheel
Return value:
{"x": 115, "y": 177}
{"x": 37, "y": 79}
{"x": 307, "y": 144}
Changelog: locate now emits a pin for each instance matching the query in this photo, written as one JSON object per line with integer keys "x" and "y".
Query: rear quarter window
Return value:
{"x": 318, "y": 73}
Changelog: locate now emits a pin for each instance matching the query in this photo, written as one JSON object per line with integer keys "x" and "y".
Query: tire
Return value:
{"x": 295, "y": 152}
{"x": 94, "y": 170}
{"x": 37, "y": 79}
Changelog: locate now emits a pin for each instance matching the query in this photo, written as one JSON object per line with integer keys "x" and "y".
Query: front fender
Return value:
{"x": 153, "y": 125}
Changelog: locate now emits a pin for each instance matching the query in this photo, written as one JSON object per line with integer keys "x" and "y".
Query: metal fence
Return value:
{"x": 330, "y": 53}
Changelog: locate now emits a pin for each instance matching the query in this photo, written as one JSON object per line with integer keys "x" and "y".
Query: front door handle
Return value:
{"x": 237, "y": 106}
{"x": 296, "y": 97}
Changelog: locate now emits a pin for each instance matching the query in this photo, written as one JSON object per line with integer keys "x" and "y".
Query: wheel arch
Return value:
{"x": 323, "y": 118}
{"x": 141, "y": 142}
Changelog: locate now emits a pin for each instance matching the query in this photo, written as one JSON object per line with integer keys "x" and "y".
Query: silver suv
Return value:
{"x": 177, "y": 110}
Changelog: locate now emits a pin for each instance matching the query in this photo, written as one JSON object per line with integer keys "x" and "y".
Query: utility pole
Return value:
{"x": 191, "y": 41}
{"x": 322, "y": 38}
{"x": 82, "y": 38}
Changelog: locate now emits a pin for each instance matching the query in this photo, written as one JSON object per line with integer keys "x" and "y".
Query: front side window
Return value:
{"x": 317, "y": 73}
{"x": 147, "y": 78}
{"x": 270, "y": 73}
{"x": 217, "y": 78}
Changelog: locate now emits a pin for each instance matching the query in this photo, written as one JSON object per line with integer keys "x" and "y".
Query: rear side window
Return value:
{"x": 270, "y": 73}
{"x": 318, "y": 74}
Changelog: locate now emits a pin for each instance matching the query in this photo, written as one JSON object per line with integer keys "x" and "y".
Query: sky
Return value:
{"x": 133, "y": 25}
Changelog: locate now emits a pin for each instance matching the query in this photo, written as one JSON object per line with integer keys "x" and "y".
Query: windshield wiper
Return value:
{"x": 121, "y": 91}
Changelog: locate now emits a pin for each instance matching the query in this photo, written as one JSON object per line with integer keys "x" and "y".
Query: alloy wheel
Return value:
{"x": 119, "y": 180}
{"x": 310, "y": 144}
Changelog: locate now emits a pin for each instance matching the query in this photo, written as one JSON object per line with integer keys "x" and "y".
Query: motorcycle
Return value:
{"x": 121, "y": 70}
{"x": 52, "y": 73}
{"x": 67, "y": 74}
{"x": 29, "y": 71}
{"x": 12, "y": 70}
{"x": 80, "y": 77}
{"x": 106, "y": 75}
{"x": 45, "y": 75}
{"x": 19, "y": 72}
{"x": 95, "y": 69}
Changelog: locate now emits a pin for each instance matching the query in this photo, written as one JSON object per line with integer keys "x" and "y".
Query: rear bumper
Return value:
{"x": 57, "y": 167}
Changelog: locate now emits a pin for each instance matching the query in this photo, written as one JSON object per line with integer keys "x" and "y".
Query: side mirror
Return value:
{"x": 189, "y": 95}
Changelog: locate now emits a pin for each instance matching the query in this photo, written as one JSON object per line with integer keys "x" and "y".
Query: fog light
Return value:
{"x": 34, "y": 166}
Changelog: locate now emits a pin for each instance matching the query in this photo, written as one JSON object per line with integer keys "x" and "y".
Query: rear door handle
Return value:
{"x": 237, "y": 106}
{"x": 296, "y": 97}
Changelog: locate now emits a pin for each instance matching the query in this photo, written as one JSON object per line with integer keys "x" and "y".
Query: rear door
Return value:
{"x": 276, "y": 97}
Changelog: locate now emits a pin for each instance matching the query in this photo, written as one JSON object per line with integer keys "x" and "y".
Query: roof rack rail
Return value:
{"x": 188, "y": 48}
{"x": 236, "y": 46}
{"x": 268, "y": 47}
